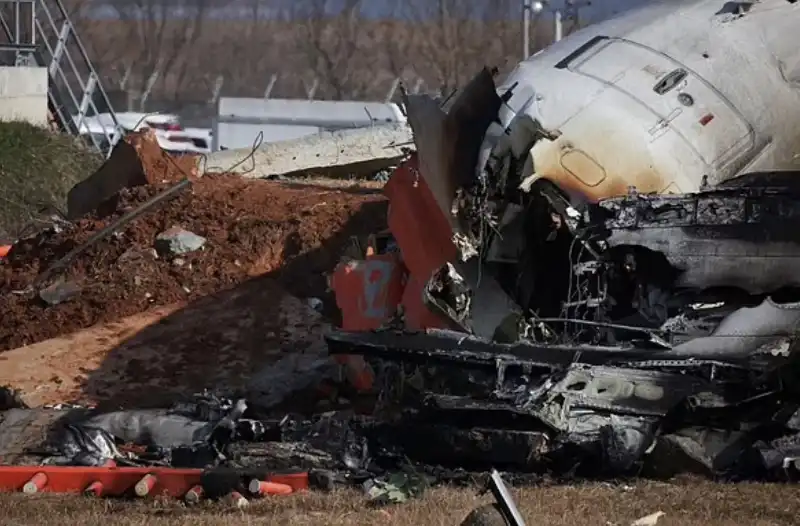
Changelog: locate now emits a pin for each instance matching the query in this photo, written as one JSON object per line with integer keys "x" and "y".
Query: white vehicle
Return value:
{"x": 186, "y": 141}
{"x": 666, "y": 98}
{"x": 171, "y": 135}
{"x": 159, "y": 122}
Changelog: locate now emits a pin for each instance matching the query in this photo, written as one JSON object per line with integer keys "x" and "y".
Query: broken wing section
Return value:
{"x": 431, "y": 231}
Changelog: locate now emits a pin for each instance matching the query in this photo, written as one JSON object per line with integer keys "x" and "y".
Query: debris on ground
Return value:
{"x": 396, "y": 488}
{"x": 498, "y": 324}
{"x": 136, "y": 160}
{"x": 543, "y": 334}
{"x": 347, "y": 153}
{"x": 649, "y": 520}
{"x": 176, "y": 241}
{"x": 59, "y": 292}
{"x": 504, "y": 509}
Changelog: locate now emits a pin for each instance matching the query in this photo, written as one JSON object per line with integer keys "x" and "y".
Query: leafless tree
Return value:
{"x": 352, "y": 56}
{"x": 159, "y": 33}
{"x": 247, "y": 54}
{"x": 333, "y": 41}
{"x": 453, "y": 39}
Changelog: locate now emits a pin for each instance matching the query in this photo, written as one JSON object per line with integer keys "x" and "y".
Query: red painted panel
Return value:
{"x": 422, "y": 232}
{"x": 368, "y": 291}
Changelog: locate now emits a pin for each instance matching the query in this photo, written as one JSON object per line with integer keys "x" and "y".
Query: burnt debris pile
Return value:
{"x": 673, "y": 350}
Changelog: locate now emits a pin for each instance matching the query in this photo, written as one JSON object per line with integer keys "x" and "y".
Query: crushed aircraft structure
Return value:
{"x": 589, "y": 334}
{"x": 518, "y": 316}
{"x": 554, "y": 299}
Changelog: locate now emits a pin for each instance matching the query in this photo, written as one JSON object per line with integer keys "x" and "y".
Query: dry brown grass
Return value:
{"x": 685, "y": 504}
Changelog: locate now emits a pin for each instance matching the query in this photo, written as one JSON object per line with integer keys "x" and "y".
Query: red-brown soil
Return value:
{"x": 293, "y": 233}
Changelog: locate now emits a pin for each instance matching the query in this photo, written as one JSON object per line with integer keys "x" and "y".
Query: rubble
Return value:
{"x": 395, "y": 488}
{"x": 505, "y": 501}
{"x": 559, "y": 336}
{"x": 136, "y": 160}
{"x": 59, "y": 292}
{"x": 597, "y": 391}
{"x": 124, "y": 319}
{"x": 178, "y": 242}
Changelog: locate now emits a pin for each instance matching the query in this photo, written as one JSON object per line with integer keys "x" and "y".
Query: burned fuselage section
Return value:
{"x": 606, "y": 335}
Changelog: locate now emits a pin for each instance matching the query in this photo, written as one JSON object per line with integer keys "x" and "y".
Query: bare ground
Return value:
{"x": 687, "y": 503}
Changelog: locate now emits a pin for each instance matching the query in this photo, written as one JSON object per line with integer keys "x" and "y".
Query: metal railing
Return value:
{"x": 40, "y": 33}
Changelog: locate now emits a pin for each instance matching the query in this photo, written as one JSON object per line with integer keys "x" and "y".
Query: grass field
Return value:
{"x": 686, "y": 503}
{"x": 37, "y": 169}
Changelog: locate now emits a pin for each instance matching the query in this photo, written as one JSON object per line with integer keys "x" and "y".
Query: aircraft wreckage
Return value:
{"x": 553, "y": 305}
{"x": 676, "y": 334}
{"x": 547, "y": 300}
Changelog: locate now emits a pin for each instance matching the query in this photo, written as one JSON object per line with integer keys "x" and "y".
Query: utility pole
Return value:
{"x": 527, "y": 8}
{"x": 558, "y": 32}
{"x": 530, "y": 7}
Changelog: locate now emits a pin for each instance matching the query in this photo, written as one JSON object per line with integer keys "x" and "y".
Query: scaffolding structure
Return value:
{"x": 39, "y": 33}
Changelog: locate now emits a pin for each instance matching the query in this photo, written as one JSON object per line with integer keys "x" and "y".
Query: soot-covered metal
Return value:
{"x": 640, "y": 332}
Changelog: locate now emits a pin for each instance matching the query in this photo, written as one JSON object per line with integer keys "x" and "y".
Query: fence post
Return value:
{"x": 215, "y": 93}
{"x": 272, "y": 81}
{"x": 392, "y": 90}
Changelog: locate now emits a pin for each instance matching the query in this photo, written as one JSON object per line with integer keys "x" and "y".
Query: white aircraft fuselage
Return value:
{"x": 665, "y": 98}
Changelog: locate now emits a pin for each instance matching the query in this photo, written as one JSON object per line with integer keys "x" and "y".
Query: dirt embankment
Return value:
{"x": 255, "y": 227}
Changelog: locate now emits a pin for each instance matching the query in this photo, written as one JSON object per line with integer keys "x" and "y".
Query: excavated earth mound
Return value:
{"x": 293, "y": 233}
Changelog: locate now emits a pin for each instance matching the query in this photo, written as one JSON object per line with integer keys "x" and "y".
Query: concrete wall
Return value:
{"x": 23, "y": 94}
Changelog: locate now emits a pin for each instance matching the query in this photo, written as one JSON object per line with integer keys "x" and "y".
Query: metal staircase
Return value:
{"x": 40, "y": 33}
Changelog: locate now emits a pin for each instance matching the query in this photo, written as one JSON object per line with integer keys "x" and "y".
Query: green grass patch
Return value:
{"x": 37, "y": 169}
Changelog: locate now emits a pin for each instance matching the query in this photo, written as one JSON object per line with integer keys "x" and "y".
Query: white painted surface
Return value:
{"x": 596, "y": 87}
{"x": 23, "y": 94}
{"x": 171, "y": 135}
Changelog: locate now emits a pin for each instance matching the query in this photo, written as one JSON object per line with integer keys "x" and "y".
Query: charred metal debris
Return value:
{"x": 637, "y": 334}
